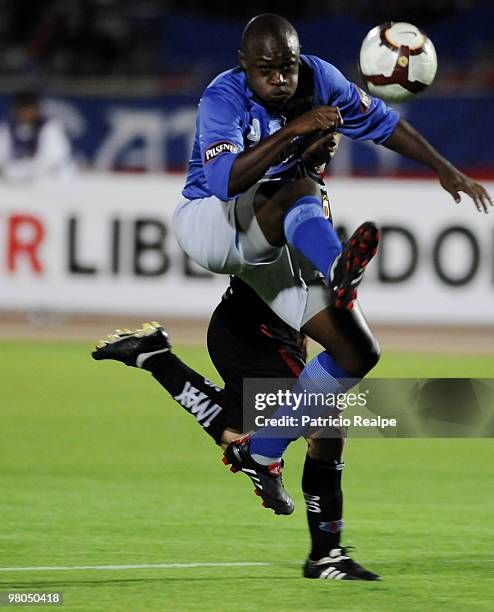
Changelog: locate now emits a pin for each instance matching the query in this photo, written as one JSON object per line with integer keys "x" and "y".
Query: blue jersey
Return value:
{"x": 230, "y": 119}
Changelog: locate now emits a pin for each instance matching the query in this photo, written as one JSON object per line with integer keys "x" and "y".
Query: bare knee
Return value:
{"x": 356, "y": 360}
{"x": 366, "y": 360}
{"x": 347, "y": 337}
{"x": 361, "y": 360}
{"x": 372, "y": 356}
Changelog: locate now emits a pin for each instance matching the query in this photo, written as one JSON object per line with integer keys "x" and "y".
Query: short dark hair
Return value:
{"x": 266, "y": 25}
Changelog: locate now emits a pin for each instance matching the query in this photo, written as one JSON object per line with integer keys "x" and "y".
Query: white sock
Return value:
{"x": 262, "y": 460}
{"x": 142, "y": 357}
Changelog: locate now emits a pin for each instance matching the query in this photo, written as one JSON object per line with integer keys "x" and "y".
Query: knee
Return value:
{"x": 373, "y": 355}
{"x": 294, "y": 190}
{"x": 360, "y": 362}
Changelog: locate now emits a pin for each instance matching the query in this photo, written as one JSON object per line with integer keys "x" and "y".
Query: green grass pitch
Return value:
{"x": 99, "y": 467}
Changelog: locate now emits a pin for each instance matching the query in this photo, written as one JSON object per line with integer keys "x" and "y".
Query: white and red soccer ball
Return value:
{"x": 397, "y": 61}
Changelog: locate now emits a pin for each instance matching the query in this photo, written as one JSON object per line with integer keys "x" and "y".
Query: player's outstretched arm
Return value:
{"x": 252, "y": 164}
{"x": 407, "y": 141}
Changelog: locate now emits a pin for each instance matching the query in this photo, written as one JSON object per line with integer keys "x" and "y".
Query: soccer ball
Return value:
{"x": 397, "y": 61}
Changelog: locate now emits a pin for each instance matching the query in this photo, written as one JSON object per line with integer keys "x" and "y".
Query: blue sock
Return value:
{"x": 321, "y": 375}
{"x": 309, "y": 232}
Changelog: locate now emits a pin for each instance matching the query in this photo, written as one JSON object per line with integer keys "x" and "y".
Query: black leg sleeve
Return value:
{"x": 321, "y": 485}
{"x": 206, "y": 402}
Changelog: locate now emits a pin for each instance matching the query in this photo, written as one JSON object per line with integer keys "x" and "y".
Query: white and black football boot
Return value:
{"x": 133, "y": 347}
{"x": 337, "y": 566}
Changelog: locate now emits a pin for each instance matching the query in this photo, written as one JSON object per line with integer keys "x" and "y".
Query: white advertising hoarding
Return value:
{"x": 105, "y": 244}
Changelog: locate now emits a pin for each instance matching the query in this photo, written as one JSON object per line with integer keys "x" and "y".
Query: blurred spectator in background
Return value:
{"x": 33, "y": 146}
{"x": 125, "y": 75}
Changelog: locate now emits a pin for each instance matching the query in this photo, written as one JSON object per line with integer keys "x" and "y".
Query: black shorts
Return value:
{"x": 247, "y": 340}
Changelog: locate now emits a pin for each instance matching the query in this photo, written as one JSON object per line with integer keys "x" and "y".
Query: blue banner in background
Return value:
{"x": 156, "y": 134}
{"x": 460, "y": 38}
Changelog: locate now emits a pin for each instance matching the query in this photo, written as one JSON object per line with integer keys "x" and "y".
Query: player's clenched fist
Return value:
{"x": 320, "y": 118}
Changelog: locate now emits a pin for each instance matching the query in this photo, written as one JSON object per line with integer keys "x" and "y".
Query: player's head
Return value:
{"x": 26, "y": 106}
{"x": 270, "y": 55}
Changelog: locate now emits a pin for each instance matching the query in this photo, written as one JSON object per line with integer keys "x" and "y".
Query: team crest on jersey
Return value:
{"x": 365, "y": 99}
{"x": 325, "y": 205}
{"x": 218, "y": 148}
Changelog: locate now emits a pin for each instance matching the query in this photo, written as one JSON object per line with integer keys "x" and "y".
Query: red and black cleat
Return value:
{"x": 266, "y": 478}
{"x": 348, "y": 270}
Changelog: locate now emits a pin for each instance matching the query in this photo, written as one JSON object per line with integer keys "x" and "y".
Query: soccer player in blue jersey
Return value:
{"x": 253, "y": 207}
{"x": 250, "y": 208}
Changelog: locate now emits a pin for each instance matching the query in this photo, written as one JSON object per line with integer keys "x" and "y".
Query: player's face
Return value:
{"x": 272, "y": 70}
